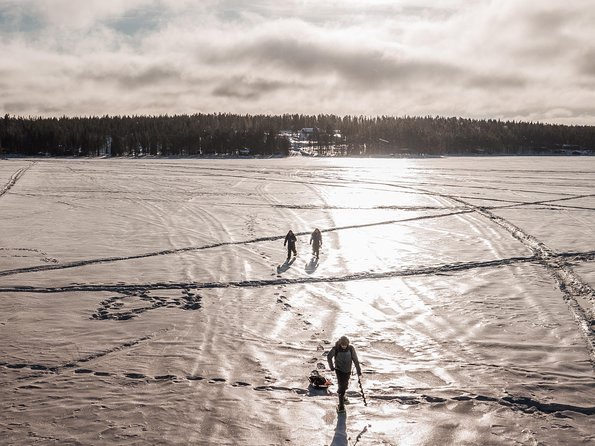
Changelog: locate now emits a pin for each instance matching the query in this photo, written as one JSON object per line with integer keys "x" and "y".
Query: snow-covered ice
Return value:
{"x": 147, "y": 301}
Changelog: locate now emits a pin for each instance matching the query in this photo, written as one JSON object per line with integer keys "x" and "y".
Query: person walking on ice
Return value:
{"x": 343, "y": 355}
{"x": 290, "y": 240}
{"x": 316, "y": 242}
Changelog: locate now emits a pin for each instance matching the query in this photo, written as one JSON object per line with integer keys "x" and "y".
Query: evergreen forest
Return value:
{"x": 222, "y": 134}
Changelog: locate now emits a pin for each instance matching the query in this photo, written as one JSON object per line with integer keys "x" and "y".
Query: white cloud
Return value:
{"x": 503, "y": 59}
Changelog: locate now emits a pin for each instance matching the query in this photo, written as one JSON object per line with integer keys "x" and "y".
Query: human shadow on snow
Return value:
{"x": 318, "y": 391}
{"x": 285, "y": 266}
{"x": 340, "y": 437}
{"x": 311, "y": 265}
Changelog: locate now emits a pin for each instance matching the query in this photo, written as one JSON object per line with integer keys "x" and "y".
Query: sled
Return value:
{"x": 318, "y": 381}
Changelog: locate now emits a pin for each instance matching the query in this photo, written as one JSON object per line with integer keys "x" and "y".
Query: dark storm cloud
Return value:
{"x": 367, "y": 68}
{"x": 546, "y": 35}
{"x": 586, "y": 62}
{"x": 245, "y": 88}
{"x": 496, "y": 81}
{"x": 16, "y": 107}
{"x": 149, "y": 76}
{"x": 549, "y": 21}
{"x": 135, "y": 77}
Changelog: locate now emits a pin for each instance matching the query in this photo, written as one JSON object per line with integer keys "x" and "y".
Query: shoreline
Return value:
{"x": 412, "y": 156}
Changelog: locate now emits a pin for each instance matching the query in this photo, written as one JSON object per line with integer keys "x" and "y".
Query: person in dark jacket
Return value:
{"x": 290, "y": 240}
{"x": 316, "y": 242}
{"x": 343, "y": 355}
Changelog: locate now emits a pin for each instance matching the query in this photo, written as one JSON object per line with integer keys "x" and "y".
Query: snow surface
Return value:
{"x": 147, "y": 301}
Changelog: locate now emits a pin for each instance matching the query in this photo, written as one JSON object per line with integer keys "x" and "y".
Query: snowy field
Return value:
{"x": 147, "y": 302}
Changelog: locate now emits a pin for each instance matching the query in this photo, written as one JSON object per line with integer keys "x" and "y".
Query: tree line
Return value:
{"x": 224, "y": 134}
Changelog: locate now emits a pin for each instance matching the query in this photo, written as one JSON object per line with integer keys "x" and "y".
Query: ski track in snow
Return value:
{"x": 210, "y": 246}
{"x": 14, "y": 178}
{"x": 407, "y": 397}
{"x": 439, "y": 269}
{"x": 578, "y": 295}
{"x": 57, "y": 369}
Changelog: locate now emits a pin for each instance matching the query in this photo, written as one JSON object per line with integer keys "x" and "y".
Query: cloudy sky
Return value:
{"x": 528, "y": 60}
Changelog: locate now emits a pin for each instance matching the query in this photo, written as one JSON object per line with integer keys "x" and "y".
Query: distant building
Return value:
{"x": 308, "y": 133}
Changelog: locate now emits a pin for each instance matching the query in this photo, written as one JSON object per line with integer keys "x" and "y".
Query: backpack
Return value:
{"x": 349, "y": 349}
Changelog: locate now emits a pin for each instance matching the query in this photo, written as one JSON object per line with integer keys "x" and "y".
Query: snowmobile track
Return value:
{"x": 14, "y": 178}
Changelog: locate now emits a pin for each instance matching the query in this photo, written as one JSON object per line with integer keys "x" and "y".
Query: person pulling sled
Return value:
{"x": 340, "y": 358}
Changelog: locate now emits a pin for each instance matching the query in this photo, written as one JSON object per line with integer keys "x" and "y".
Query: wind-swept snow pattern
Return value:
{"x": 149, "y": 301}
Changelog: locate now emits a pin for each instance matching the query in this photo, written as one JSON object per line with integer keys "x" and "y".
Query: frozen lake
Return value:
{"x": 148, "y": 302}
